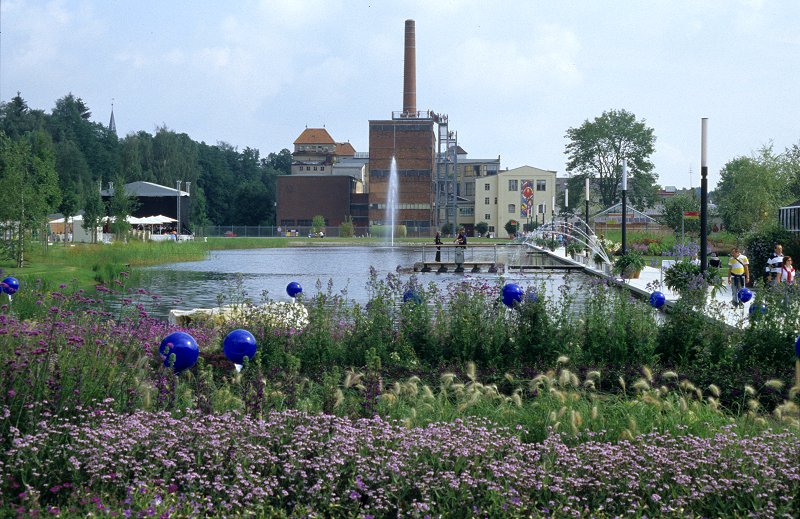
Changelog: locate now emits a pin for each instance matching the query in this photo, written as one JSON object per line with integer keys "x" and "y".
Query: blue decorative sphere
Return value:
{"x": 657, "y": 299}
{"x": 239, "y": 344}
{"x": 512, "y": 293}
{"x": 744, "y": 295}
{"x": 797, "y": 346}
{"x": 293, "y": 289}
{"x": 412, "y": 295}
{"x": 531, "y": 296}
{"x": 757, "y": 309}
{"x": 10, "y": 285}
{"x": 183, "y": 346}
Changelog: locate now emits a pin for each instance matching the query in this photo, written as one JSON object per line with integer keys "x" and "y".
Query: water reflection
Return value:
{"x": 264, "y": 273}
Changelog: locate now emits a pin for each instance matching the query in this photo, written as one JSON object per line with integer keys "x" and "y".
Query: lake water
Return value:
{"x": 259, "y": 272}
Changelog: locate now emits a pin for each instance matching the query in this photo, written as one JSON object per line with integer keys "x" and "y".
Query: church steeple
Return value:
{"x": 111, "y": 124}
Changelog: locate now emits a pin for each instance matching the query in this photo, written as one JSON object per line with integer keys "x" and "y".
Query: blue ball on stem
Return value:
{"x": 183, "y": 346}
{"x": 293, "y": 289}
{"x": 239, "y": 344}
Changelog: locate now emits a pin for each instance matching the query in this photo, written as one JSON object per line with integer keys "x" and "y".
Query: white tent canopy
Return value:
{"x": 150, "y": 220}
{"x": 133, "y": 220}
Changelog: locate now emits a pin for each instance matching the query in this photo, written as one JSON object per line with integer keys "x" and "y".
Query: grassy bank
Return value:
{"x": 85, "y": 265}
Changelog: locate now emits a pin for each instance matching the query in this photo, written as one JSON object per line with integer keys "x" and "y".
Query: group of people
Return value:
{"x": 461, "y": 239}
{"x": 779, "y": 269}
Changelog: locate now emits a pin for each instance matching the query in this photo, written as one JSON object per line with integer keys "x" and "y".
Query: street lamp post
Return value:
{"x": 703, "y": 193}
{"x": 178, "y": 205}
{"x": 586, "y": 214}
{"x": 624, "y": 204}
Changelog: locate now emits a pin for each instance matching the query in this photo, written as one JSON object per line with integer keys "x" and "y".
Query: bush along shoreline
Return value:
{"x": 447, "y": 403}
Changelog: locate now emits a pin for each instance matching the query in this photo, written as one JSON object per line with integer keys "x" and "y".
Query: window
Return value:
{"x": 308, "y": 168}
{"x": 513, "y": 185}
{"x": 487, "y": 216}
{"x": 495, "y": 200}
{"x": 541, "y": 185}
{"x": 512, "y": 208}
{"x": 469, "y": 189}
{"x": 322, "y": 168}
{"x": 491, "y": 228}
{"x": 486, "y": 200}
{"x": 315, "y": 168}
{"x": 487, "y": 187}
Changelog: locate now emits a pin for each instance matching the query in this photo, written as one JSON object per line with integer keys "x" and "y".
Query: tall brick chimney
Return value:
{"x": 410, "y": 72}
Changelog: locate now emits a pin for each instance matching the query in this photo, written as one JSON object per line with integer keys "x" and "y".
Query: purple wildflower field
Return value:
{"x": 147, "y": 463}
{"x": 93, "y": 423}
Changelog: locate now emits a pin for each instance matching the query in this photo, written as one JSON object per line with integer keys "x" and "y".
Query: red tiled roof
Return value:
{"x": 345, "y": 148}
{"x": 315, "y": 136}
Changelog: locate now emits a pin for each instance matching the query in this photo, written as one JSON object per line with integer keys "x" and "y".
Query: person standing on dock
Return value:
{"x": 461, "y": 239}
{"x": 738, "y": 274}
{"x": 438, "y": 241}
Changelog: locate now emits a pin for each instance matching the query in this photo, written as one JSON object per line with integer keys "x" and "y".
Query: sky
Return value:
{"x": 512, "y": 76}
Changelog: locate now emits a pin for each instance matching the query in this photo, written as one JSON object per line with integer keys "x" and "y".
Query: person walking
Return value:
{"x": 738, "y": 274}
{"x": 787, "y": 274}
{"x": 774, "y": 264}
{"x": 438, "y": 241}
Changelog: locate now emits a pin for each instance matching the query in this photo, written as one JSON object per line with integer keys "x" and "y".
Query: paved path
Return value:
{"x": 718, "y": 305}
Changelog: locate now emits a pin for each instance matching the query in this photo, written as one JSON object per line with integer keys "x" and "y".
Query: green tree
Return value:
{"x": 17, "y": 119}
{"x": 28, "y": 176}
{"x": 347, "y": 229}
{"x": 511, "y": 227}
{"x": 74, "y": 174}
{"x": 789, "y": 169}
{"x": 94, "y": 211}
{"x": 750, "y": 191}
{"x": 675, "y": 206}
{"x": 280, "y": 162}
{"x": 482, "y": 227}
{"x": 317, "y": 223}
{"x": 120, "y": 207}
{"x": 69, "y": 206}
{"x": 597, "y": 149}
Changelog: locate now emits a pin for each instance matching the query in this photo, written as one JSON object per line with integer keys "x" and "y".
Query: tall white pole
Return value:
{"x": 703, "y": 193}
{"x": 624, "y": 205}
{"x": 178, "y": 208}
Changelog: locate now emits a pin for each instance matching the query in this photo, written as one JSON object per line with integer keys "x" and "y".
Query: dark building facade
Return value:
{"x": 154, "y": 199}
{"x": 301, "y": 197}
{"x": 412, "y": 142}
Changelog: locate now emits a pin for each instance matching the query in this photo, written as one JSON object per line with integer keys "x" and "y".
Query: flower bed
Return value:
{"x": 327, "y": 466}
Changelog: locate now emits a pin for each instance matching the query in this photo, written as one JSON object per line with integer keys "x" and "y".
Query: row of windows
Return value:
{"x": 308, "y": 168}
{"x": 401, "y": 206}
{"x": 513, "y": 185}
{"x": 381, "y": 173}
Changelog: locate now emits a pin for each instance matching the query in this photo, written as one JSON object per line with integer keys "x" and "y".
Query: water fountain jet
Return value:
{"x": 392, "y": 197}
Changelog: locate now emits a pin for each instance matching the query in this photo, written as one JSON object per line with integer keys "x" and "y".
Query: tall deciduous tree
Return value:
{"x": 93, "y": 212}
{"x": 674, "y": 208}
{"x": 597, "y": 148}
{"x": 29, "y": 180}
{"x": 790, "y": 170}
{"x": 120, "y": 207}
{"x": 750, "y": 191}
